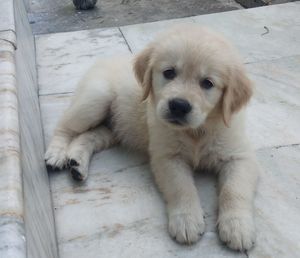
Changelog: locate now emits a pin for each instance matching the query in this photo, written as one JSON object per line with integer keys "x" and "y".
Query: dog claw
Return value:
{"x": 52, "y": 168}
{"x": 76, "y": 175}
{"x": 73, "y": 163}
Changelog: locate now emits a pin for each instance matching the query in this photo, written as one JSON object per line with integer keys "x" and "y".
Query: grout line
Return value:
{"x": 56, "y": 93}
{"x": 129, "y": 48}
{"x": 287, "y": 145}
{"x": 279, "y": 146}
{"x": 42, "y": 34}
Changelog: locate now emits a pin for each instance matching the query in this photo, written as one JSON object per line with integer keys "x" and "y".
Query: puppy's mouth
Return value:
{"x": 175, "y": 120}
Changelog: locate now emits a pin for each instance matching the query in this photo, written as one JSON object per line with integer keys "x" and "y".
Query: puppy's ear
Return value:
{"x": 237, "y": 93}
{"x": 143, "y": 70}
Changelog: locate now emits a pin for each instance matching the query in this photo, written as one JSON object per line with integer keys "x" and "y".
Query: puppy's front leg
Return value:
{"x": 237, "y": 183}
{"x": 175, "y": 180}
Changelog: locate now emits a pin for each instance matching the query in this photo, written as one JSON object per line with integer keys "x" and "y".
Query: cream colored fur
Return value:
{"x": 213, "y": 136}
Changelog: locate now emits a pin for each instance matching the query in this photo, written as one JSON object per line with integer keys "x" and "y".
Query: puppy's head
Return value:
{"x": 192, "y": 74}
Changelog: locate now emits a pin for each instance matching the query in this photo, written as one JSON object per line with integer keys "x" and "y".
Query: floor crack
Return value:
{"x": 129, "y": 48}
{"x": 279, "y": 146}
{"x": 286, "y": 145}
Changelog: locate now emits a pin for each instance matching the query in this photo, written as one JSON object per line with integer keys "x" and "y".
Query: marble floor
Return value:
{"x": 118, "y": 211}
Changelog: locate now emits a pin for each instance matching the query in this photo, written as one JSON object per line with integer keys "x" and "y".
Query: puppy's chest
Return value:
{"x": 202, "y": 153}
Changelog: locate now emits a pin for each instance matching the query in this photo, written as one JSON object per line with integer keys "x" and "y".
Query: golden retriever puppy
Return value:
{"x": 184, "y": 106}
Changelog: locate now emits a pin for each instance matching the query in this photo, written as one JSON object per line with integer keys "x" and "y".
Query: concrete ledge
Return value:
{"x": 12, "y": 231}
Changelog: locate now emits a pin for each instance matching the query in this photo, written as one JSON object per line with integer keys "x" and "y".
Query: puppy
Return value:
{"x": 194, "y": 89}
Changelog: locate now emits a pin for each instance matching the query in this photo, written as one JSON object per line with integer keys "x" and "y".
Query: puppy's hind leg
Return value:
{"x": 89, "y": 107}
{"x": 83, "y": 146}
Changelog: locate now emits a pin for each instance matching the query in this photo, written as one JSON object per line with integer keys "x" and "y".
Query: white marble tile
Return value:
{"x": 277, "y": 204}
{"x": 121, "y": 212}
{"x": 7, "y": 19}
{"x": 243, "y": 28}
{"x": 64, "y": 57}
{"x": 139, "y": 35}
{"x": 120, "y": 206}
{"x": 274, "y": 112}
{"x": 12, "y": 236}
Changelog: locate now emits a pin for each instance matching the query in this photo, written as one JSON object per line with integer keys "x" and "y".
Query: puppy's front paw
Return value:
{"x": 237, "y": 232}
{"x": 56, "y": 156}
{"x": 186, "y": 228}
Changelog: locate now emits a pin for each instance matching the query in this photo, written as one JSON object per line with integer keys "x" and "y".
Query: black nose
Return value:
{"x": 179, "y": 107}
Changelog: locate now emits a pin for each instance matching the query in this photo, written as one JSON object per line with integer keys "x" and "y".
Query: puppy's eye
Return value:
{"x": 169, "y": 74}
{"x": 206, "y": 84}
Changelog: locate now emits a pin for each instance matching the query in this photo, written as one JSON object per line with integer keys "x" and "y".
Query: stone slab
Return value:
{"x": 244, "y": 28}
{"x": 65, "y": 57}
{"x": 277, "y": 204}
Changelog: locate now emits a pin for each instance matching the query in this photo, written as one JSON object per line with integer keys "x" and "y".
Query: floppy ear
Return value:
{"x": 143, "y": 70}
{"x": 237, "y": 94}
